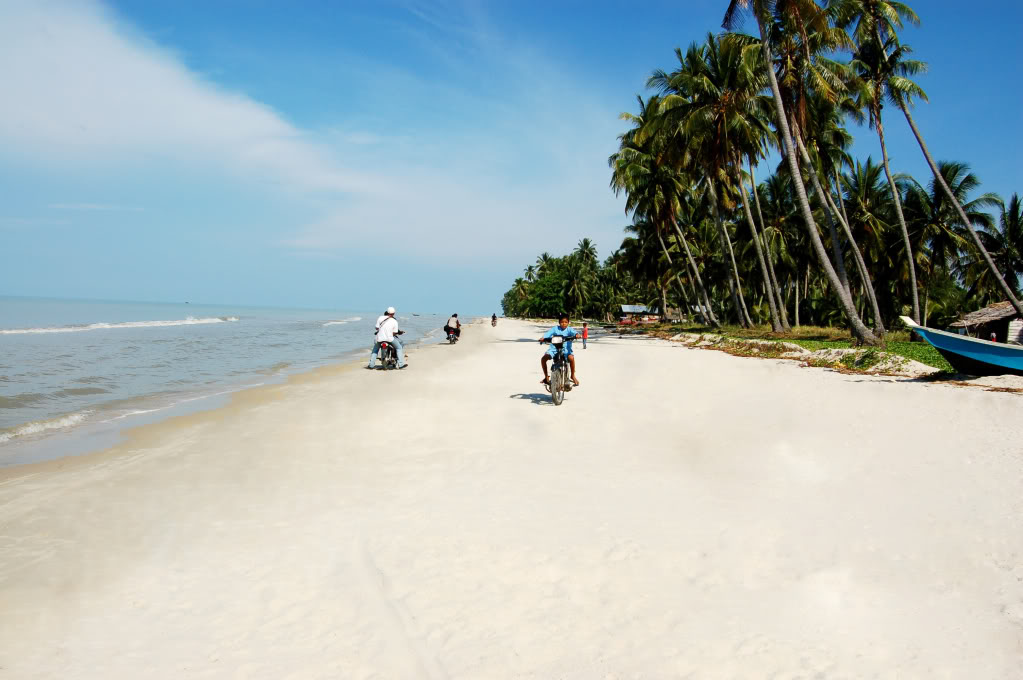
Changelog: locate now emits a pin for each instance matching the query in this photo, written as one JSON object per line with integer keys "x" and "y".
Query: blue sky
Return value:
{"x": 357, "y": 155}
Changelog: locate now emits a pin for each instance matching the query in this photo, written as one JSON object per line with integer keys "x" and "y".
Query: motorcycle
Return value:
{"x": 493, "y": 322}
{"x": 560, "y": 370}
{"x": 389, "y": 354}
{"x": 452, "y": 336}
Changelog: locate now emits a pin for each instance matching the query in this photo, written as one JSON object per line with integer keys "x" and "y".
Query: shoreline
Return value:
{"x": 93, "y": 437}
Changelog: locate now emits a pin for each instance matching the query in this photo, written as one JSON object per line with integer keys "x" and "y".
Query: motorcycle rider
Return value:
{"x": 493, "y": 319}
{"x": 453, "y": 326}
{"x": 569, "y": 333}
{"x": 387, "y": 331}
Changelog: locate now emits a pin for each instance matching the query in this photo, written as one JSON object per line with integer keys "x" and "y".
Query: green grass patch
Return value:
{"x": 813, "y": 338}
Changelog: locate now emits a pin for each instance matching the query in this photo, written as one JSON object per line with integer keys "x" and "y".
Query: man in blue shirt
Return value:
{"x": 567, "y": 332}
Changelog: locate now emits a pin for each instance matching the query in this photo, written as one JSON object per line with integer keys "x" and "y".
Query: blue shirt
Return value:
{"x": 569, "y": 333}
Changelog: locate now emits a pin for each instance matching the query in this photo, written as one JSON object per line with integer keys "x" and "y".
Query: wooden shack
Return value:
{"x": 1000, "y": 318}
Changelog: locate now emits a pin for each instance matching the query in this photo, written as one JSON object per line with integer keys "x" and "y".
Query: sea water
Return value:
{"x": 70, "y": 366}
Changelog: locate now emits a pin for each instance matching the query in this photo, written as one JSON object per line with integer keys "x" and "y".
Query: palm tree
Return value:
{"x": 1005, "y": 243}
{"x": 881, "y": 19}
{"x": 936, "y": 223}
{"x": 587, "y": 252}
{"x": 758, "y": 6}
{"x": 576, "y": 288}
{"x": 530, "y": 273}
{"x": 882, "y": 75}
{"x": 711, "y": 98}
{"x": 653, "y": 187}
{"x": 543, "y": 263}
{"x": 903, "y": 102}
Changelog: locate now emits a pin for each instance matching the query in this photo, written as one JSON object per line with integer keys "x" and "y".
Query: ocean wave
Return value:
{"x": 341, "y": 322}
{"x": 44, "y": 425}
{"x": 188, "y": 321}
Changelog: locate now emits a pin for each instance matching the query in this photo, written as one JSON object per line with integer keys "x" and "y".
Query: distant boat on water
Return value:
{"x": 972, "y": 355}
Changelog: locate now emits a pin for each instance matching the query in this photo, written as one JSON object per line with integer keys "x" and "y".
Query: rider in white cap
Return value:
{"x": 387, "y": 331}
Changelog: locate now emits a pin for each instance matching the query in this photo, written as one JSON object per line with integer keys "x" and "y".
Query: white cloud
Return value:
{"x": 506, "y": 156}
{"x": 80, "y": 87}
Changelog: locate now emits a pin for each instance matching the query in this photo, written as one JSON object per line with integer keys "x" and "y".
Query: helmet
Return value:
{"x": 390, "y": 310}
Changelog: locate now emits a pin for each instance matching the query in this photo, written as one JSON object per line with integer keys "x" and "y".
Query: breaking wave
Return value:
{"x": 188, "y": 321}
{"x": 44, "y": 425}
{"x": 341, "y": 322}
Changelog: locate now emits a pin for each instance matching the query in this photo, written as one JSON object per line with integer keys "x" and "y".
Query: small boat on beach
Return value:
{"x": 972, "y": 355}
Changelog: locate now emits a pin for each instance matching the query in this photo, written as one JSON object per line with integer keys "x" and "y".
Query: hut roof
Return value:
{"x": 635, "y": 309}
{"x": 995, "y": 312}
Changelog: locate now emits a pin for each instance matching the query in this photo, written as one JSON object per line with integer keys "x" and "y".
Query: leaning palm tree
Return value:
{"x": 880, "y": 20}
{"x": 903, "y": 102}
{"x": 758, "y": 8}
{"x": 883, "y": 73}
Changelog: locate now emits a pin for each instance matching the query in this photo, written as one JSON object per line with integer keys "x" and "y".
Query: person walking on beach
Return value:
{"x": 569, "y": 333}
{"x": 453, "y": 326}
{"x": 586, "y": 333}
{"x": 387, "y": 331}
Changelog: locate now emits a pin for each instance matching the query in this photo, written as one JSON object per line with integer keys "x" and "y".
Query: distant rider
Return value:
{"x": 569, "y": 333}
{"x": 387, "y": 331}
{"x": 493, "y": 319}
{"x": 453, "y": 326}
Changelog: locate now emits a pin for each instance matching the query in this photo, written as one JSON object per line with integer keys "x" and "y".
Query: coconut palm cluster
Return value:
{"x": 824, "y": 239}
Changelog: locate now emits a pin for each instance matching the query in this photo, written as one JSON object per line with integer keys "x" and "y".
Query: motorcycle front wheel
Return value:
{"x": 557, "y": 385}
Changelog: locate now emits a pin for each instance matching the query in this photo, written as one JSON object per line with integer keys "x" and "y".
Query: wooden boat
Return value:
{"x": 972, "y": 355}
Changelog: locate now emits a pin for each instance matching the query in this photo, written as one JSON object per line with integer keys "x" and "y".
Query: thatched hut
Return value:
{"x": 1000, "y": 319}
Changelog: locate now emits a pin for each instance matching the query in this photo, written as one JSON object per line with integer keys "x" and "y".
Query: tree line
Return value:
{"x": 824, "y": 239}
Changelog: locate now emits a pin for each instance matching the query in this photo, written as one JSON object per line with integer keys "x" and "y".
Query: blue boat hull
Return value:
{"x": 972, "y": 355}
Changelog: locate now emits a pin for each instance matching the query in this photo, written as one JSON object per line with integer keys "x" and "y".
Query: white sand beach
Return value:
{"x": 684, "y": 513}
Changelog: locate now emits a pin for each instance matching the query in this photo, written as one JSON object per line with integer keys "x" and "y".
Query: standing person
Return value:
{"x": 493, "y": 319}
{"x": 453, "y": 326}
{"x": 569, "y": 333}
{"x": 586, "y": 332}
{"x": 388, "y": 332}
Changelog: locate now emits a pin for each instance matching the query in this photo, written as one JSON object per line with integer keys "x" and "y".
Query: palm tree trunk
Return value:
{"x": 859, "y": 329}
{"x": 770, "y": 261}
{"x": 726, "y": 249}
{"x": 836, "y": 243}
{"x": 962, "y": 215}
{"x": 861, "y": 265}
{"x": 796, "y": 287}
{"x": 672, "y": 265}
{"x": 695, "y": 271}
{"x": 898, "y": 213}
{"x": 775, "y": 323}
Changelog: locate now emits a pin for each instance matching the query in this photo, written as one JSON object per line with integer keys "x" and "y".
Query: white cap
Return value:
{"x": 390, "y": 310}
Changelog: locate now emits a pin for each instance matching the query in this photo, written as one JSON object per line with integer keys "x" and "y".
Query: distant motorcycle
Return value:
{"x": 452, "y": 336}
{"x": 493, "y": 322}
{"x": 389, "y": 354}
